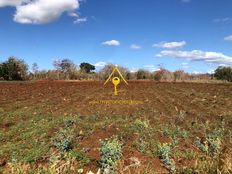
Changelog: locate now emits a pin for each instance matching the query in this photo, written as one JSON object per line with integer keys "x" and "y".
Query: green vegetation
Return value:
{"x": 13, "y": 69}
{"x": 66, "y": 69}
{"x": 63, "y": 140}
{"x": 86, "y": 67}
{"x": 164, "y": 151}
{"x": 111, "y": 152}
{"x": 224, "y": 73}
{"x": 47, "y": 138}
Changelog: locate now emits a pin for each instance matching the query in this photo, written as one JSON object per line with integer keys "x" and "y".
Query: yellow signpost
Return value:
{"x": 116, "y": 80}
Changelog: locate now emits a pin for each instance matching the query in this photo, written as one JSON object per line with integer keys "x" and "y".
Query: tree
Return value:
{"x": 142, "y": 74}
{"x": 178, "y": 75}
{"x": 86, "y": 67}
{"x": 107, "y": 70}
{"x": 14, "y": 69}
{"x": 66, "y": 66}
{"x": 157, "y": 76}
{"x": 223, "y": 73}
{"x": 35, "y": 68}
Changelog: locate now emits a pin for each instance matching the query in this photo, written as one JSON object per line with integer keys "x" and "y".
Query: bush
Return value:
{"x": 111, "y": 151}
{"x": 142, "y": 74}
{"x": 223, "y": 73}
{"x": 212, "y": 145}
{"x": 63, "y": 140}
{"x": 157, "y": 76}
{"x": 139, "y": 125}
{"x": 13, "y": 69}
{"x": 164, "y": 151}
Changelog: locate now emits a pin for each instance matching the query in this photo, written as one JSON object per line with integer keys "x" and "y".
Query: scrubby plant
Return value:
{"x": 139, "y": 125}
{"x": 68, "y": 122}
{"x": 175, "y": 132}
{"x": 203, "y": 146}
{"x": 175, "y": 141}
{"x": 187, "y": 154}
{"x": 111, "y": 152}
{"x": 211, "y": 146}
{"x": 157, "y": 76}
{"x": 164, "y": 152}
{"x": 63, "y": 140}
{"x": 221, "y": 164}
{"x": 60, "y": 164}
{"x": 141, "y": 145}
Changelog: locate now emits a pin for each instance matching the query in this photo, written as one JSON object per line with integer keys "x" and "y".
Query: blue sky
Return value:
{"x": 193, "y": 35}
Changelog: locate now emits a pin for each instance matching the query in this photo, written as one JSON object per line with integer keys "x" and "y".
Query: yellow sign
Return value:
{"x": 116, "y": 80}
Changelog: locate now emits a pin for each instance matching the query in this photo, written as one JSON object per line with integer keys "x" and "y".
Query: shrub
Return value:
{"x": 142, "y": 74}
{"x": 141, "y": 145}
{"x": 157, "y": 76}
{"x": 139, "y": 125}
{"x": 63, "y": 140}
{"x": 211, "y": 146}
{"x": 111, "y": 151}
{"x": 223, "y": 73}
{"x": 13, "y": 69}
{"x": 164, "y": 152}
{"x": 175, "y": 132}
{"x": 68, "y": 122}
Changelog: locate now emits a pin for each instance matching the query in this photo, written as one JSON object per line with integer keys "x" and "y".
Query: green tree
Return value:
{"x": 223, "y": 73}
{"x": 14, "y": 69}
{"x": 86, "y": 67}
{"x": 142, "y": 74}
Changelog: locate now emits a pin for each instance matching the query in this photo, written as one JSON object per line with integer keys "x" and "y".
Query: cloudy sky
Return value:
{"x": 193, "y": 35}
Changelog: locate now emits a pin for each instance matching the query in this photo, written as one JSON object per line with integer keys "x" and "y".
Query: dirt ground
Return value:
{"x": 75, "y": 97}
{"x": 160, "y": 104}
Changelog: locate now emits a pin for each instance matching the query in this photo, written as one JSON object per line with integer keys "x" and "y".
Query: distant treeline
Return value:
{"x": 64, "y": 69}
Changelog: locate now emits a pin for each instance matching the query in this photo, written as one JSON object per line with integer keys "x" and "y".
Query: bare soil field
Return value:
{"x": 177, "y": 127}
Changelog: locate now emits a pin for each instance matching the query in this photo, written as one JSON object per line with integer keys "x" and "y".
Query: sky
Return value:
{"x": 191, "y": 35}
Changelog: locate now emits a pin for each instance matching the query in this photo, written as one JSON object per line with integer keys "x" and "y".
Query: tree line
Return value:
{"x": 64, "y": 69}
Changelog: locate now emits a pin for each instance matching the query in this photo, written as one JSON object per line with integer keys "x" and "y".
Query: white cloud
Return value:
{"x": 4, "y": 3}
{"x": 135, "y": 47}
{"x": 197, "y": 72}
{"x": 228, "y": 38}
{"x": 73, "y": 14}
{"x": 223, "y": 20}
{"x": 133, "y": 70}
{"x": 151, "y": 68}
{"x": 100, "y": 64}
{"x": 80, "y": 20}
{"x": 42, "y": 11}
{"x": 198, "y": 55}
{"x": 170, "y": 45}
{"x": 111, "y": 43}
{"x": 211, "y": 71}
